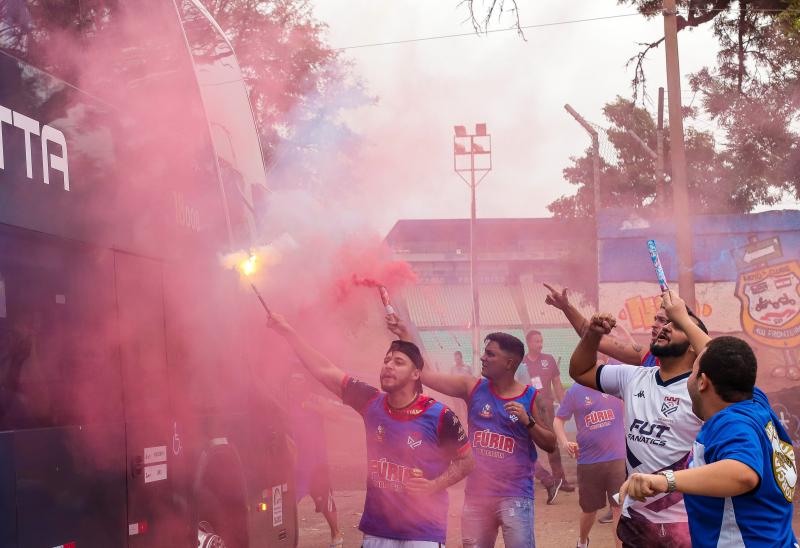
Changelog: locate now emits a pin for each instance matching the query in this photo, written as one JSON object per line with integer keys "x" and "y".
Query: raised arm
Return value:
{"x": 626, "y": 351}
{"x": 320, "y": 367}
{"x": 676, "y": 310}
{"x": 457, "y": 386}
{"x": 583, "y": 363}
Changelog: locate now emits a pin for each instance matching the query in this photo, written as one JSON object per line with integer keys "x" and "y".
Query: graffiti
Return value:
{"x": 770, "y": 313}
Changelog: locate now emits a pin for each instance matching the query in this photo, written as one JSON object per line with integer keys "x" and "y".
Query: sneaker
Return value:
{"x": 552, "y": 491}
{"x": 579, "y": 545}
{"x": 567, "y": 487}
{"x": 608, "y": 517}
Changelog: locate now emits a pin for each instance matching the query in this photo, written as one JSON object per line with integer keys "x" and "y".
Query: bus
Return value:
{"x": 133, "y": 406}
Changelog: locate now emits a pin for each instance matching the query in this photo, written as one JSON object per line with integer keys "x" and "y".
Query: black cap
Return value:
{"x": 412, "y": 351}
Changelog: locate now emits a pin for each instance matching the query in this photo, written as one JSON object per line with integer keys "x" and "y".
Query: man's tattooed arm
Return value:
{"x": 461, "y": 465}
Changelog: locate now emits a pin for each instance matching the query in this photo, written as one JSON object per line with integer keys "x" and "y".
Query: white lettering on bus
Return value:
{"x": 47, "y": 134}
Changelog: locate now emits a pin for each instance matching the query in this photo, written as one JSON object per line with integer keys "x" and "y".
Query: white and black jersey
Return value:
{"x": 660, "y": 429}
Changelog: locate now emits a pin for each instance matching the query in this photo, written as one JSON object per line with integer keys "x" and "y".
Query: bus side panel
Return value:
{"x": 71, "y": 486}
{"x": 155, "y": 516}
{"x": 8, "y": 504}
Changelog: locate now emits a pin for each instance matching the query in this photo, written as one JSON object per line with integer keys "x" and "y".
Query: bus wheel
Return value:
{"x": 207, "y": 538}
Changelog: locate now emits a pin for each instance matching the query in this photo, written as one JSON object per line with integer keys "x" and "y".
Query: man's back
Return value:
{"x": 748, "y": 432}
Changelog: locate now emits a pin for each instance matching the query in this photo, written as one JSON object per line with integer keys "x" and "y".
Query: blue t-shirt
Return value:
{"x": 598, "y": 416}
{"x": 503, "y": 450}
{"x": 751, "y": 433}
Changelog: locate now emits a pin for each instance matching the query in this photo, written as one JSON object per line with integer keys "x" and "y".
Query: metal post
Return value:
{"x": 683, "y": 232}
{"x": 479, "y": 144}
{"x": 595, "y": 187}
{"x": 473, "y": 262}
{"x": 660, "y": 175}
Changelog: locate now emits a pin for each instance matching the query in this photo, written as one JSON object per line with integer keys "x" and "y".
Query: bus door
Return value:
{"x": 155, "y": 517}
{"x": 61, "y": 442}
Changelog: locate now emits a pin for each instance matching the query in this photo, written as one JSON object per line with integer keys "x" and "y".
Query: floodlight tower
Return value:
{"x": 472, "y": 154}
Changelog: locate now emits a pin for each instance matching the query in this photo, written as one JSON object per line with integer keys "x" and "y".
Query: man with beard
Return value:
{"x": 504, "y": 425}
{"x": 743, "y": 474}
{"x": 416, "y": 447}
{"x": 659, "y": 423}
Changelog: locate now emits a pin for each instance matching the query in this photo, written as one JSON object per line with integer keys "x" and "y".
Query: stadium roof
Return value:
{"x": 488, "y": 230}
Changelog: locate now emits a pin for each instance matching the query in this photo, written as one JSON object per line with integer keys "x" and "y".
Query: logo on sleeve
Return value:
{"x": 784, "y": 466}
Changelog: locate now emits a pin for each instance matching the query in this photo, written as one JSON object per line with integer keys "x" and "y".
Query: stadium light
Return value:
{"x": 472, "y": 154}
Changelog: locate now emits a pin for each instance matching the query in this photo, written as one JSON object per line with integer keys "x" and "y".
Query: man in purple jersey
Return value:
{"x": 542, "y": 372}
{"x": 416, "y": 447}
{"x": 599, "y": 448}
{"x": 503, "y": 426}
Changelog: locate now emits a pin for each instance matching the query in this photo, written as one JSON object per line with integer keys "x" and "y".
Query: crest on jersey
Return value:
{"x": 380, "y": 433}
{"x": 770, "y": 298}
{"x": 670, "y": 405}
{"x": 545, "y": 364}
{"x": 486, "y": 412}
{"x": 784, "y": 467}
{"x": 587, "y": 401}
{"x": 412, "y": 443}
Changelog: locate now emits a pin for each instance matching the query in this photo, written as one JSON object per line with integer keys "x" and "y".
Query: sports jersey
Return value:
{"x": 751, "y": 433}
{"x": 650, "y": 361}
{"x": 599, "y": 419}
{"x": 541, "y": 372}
{"x": 660, "y": 429}
{"x": 503, "y": 450}
{"x": 424, "y": 435}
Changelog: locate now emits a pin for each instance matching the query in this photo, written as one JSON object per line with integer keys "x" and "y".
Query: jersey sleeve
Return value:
{"x": 452, "y": 436}
{"x": 612, "y": 379}
{"x": 357, "y": 394}
{"x": 566, "y": 409}
{"x": 736, "y": 440}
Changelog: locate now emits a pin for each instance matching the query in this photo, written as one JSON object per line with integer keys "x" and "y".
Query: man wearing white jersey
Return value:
{"x": 660, "y": 426}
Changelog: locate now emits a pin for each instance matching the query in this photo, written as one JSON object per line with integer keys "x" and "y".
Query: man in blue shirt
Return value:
{"x": 599, "y": 448}
{"x": 740, "y": 484}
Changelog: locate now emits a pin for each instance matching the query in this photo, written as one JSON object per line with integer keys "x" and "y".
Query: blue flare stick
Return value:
{"x": 662, "y": 278}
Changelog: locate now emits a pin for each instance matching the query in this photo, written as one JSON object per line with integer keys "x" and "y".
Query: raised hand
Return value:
{"x": 602, "y": 323}
{"x": 397, "y": 326}
{"x": 556, "y": 299}
{"x": 675, "y": 307}
{"x": 278, "y": 323}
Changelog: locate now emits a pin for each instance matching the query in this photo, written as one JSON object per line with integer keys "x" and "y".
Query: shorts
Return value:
{"x": 598, "y": 482}
{"x": 380, "y": 542}
{"x": 317, "y": 485}
{"x": 636, "y": 531}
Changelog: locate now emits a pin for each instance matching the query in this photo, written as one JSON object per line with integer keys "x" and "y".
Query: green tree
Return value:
{"x": 753, "y": 92}
{"x": 298, "y": 88}
{"x": 627, "y": 173}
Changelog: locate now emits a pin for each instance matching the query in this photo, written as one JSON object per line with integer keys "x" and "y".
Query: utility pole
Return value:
{"x": 472, "y": 153}
{"x": 680, "y": 193}
{"x": 660, "y": 175}
{"x": 595, "y": 186}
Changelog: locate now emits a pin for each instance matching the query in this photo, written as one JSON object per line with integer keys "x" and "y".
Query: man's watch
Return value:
{"x": 531, "y": 422}
{"x": 670, "y": 475}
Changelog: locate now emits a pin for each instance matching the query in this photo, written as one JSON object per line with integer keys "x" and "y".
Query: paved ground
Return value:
{"x": 556, "y": 525}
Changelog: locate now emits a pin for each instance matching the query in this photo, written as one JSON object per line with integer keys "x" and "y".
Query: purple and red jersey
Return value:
{"x": 503, "y": 450}
{"x": 424, "y": 435}
{"x": 598, "y": 417}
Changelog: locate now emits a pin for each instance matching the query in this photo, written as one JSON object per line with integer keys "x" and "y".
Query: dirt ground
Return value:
{"x": 556, "y": 525}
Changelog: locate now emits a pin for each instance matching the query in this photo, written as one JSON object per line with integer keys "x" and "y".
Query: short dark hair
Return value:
{"x": 458, "y": 352}
{"x": 731, "y": 365}
{"x": 507, "y": 343}
{"x": 532, "y": 332}
{"x": 697, "y": 320}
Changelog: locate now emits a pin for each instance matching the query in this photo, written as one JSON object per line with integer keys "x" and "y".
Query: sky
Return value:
{"x": 517, "y": 87}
